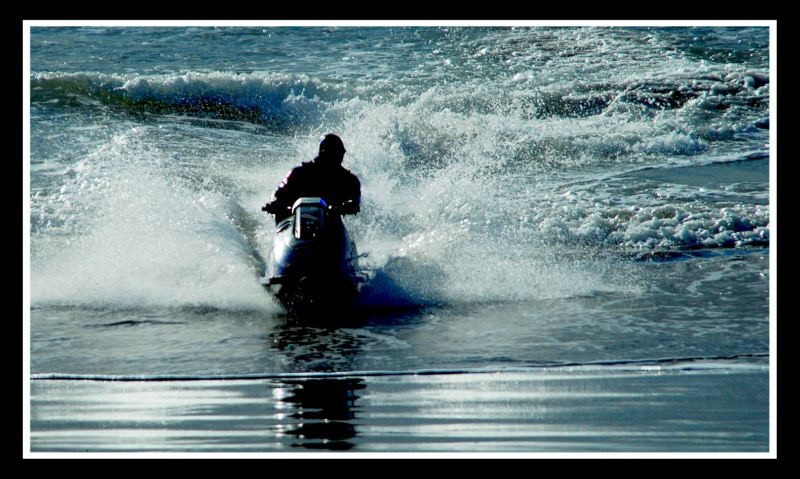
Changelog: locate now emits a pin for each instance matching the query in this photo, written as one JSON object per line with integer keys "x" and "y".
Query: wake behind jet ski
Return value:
{"x": 314, "y": 261}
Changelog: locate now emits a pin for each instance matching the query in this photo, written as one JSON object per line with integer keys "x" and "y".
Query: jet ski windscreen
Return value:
{"x": 309, "y": 217}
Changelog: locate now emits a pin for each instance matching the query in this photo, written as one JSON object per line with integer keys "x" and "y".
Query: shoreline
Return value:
{"x": 651, "y": 411}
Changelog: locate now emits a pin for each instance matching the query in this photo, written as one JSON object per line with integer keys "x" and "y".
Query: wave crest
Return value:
{"x": 278, "y": 100}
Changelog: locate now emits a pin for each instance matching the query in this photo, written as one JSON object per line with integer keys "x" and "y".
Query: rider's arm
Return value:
{"x": 352, "y": 204}
{"x": 284, "y": 195}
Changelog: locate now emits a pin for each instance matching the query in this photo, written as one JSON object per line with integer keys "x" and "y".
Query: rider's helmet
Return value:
{"x": 331, "y": 148}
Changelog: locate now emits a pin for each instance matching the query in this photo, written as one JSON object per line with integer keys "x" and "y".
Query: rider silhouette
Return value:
{"x": 323, "y": 177}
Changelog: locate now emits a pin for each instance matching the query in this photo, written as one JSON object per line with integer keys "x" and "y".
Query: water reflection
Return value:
{"x": 320, "y": 412}
{"x": 316, "y": 349}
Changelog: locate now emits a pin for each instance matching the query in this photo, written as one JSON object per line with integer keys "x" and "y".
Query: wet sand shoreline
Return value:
{"x": 650, "y": 411}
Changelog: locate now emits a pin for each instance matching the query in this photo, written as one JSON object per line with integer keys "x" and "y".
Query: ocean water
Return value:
{"x": 567, "y": 230}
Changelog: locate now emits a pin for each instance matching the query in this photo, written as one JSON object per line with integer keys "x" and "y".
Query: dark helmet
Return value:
{"x": 331, "y": 145}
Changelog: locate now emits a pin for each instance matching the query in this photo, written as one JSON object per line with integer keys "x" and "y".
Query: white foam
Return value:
{"x": 142, "y": 238}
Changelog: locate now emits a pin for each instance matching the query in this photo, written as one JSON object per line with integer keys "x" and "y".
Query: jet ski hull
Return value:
{"x": 313, "y": 265}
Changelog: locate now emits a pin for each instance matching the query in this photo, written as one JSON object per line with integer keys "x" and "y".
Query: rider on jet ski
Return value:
{"x": 323, "y": 177}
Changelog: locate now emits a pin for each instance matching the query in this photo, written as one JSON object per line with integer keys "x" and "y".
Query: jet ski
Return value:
{"x": 314, "y": 263}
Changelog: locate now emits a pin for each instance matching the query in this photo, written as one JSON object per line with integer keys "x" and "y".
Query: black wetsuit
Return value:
{"x": 333, "y": 183}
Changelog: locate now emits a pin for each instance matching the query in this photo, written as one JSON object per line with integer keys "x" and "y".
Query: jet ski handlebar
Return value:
{"x": 348, "y": 207}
